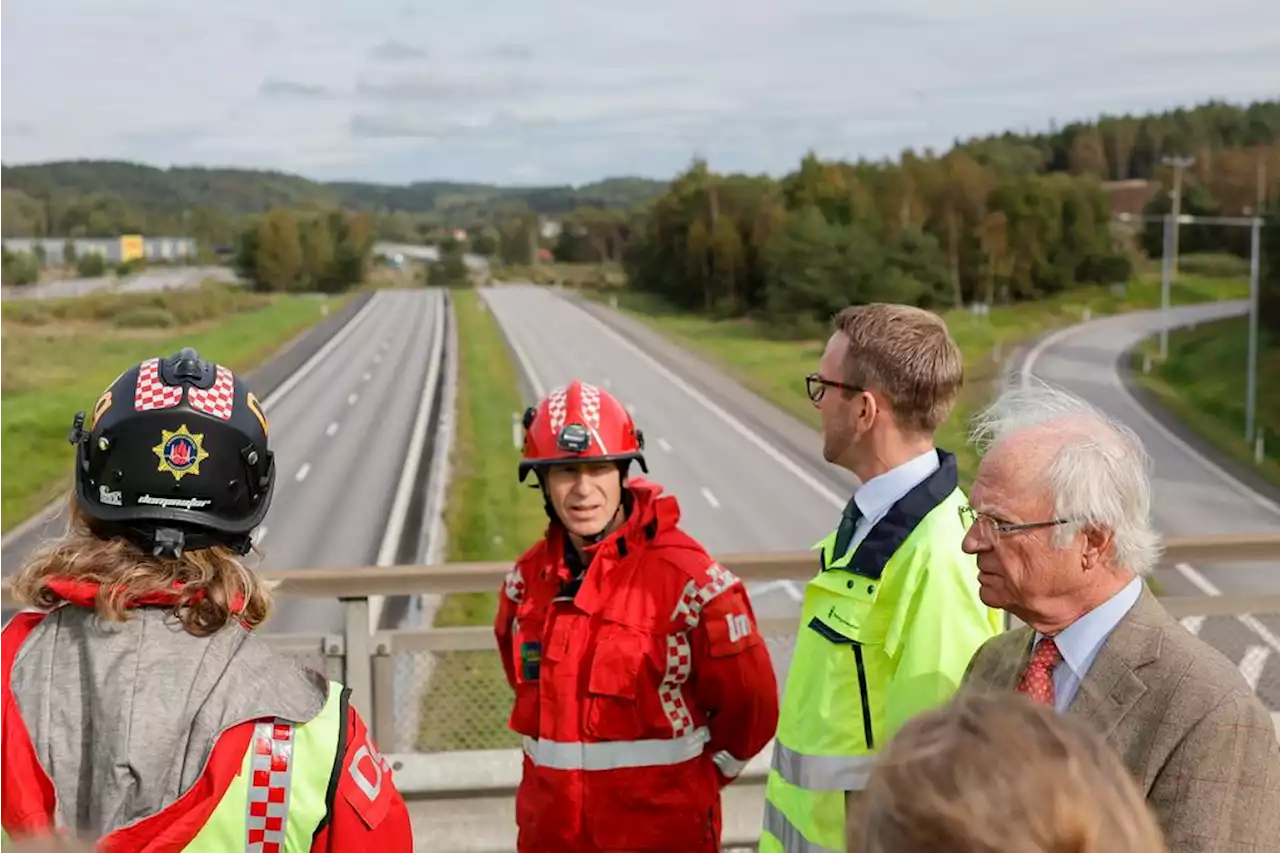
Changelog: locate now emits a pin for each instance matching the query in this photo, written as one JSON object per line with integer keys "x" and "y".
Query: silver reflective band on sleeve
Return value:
{"x": 270, "y": 776}
{"x": 793, "y": 841}
{"x": 822, "y": 772}
{"x": 728, "y": 765}
{"x": 614, "y": 754}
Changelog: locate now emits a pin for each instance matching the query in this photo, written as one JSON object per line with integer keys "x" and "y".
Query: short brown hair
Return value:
{"x": 908, "y": 355}
{"x": 996, "y": 773}
{"x": 214, "y": 585}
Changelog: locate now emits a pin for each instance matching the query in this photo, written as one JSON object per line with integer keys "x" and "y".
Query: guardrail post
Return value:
{"x": 334, "y": 654}
{"x": 384, "y": 685}
{"x": 358, "y": 674}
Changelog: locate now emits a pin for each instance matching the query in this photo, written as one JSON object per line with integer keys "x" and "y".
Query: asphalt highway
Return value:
{"x": 341, "y": 429}
{"x": 154, "y": 279}
{"x": 739, "y": 490}
{"x": 1192, "y": 494}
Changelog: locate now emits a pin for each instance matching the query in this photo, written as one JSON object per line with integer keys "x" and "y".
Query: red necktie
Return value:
{"x": 1037, "y": 678}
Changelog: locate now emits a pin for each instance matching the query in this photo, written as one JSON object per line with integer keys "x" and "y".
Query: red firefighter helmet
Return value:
{"x": 579, "y": 422}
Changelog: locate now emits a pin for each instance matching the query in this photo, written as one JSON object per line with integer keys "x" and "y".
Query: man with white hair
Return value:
{"x": 1060, "y": 524}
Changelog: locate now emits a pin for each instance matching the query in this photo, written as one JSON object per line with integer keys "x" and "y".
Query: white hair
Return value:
{"x": 1099, "y": 474}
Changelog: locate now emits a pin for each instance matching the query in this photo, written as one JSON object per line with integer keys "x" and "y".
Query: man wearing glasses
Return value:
{"x": 892, "y": 618}
{"x": 1063, "y": 536}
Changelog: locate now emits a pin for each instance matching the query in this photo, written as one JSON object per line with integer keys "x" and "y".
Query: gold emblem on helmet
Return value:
{"x": 181, "y": 452}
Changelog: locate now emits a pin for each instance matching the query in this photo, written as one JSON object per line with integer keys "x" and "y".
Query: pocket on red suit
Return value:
{"x": 673, "y": 809}
{"x": 613, "y": 710}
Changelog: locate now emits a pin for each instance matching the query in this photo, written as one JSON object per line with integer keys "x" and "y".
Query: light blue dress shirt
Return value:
{"x": 1079, "y": 642}
{"x": 878, "y": 495}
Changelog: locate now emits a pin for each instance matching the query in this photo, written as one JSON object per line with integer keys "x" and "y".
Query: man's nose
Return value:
{"x": 972, "y": 542}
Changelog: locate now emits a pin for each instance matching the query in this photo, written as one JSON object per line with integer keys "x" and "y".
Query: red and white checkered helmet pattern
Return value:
{"x": 579, "y": 422}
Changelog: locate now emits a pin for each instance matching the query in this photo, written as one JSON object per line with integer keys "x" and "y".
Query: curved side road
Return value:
{"x": 1192, "y": 494}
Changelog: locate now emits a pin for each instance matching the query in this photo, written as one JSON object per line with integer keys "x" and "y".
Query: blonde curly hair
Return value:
{"x": 213, "y": 585}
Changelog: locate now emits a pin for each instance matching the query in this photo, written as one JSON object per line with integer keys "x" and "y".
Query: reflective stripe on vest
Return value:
{"x": 279, "y": 798}
{"x": 822, "y": 772}
{"x": 780, "y": 835}
{"x": 833, "y": 714}
{"x": 615, "y": 754}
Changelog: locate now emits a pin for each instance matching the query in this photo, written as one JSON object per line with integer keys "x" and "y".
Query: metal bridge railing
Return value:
{"x": 437, "y": 698}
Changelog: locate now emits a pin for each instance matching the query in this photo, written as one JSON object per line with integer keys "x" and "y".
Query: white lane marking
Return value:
{"x": 351, "y": 399}
{"x": 1213, "y": 468}
{"x": 1193, "y": 624}
{"x": 367, "y": 376}
{"x": 608, "y": 383}
{"x": 377, "y": 357}
{"x": 413, "y": 453}
{"x": 526, "y": 366}
{"x": 786, "y": 585}
{"x": 258, "y": 534}
{"x": 331, "y": 429}
{"x": 662, "y": 442}
{"x": 711, "y": 499}
{"x": 1255, "y": 658}
{"x": 302, "y": 372}
{"x": 1248, "y": 620}
{"x": 303, "y": 472}
{"x": 732, "y": 422}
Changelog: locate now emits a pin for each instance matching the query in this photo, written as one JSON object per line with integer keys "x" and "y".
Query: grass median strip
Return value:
{"x": 1202, "y": 384}
{"x": 775, "y": 369}
{"x": 59, "y": 354}
{"x": 490, "y": 517}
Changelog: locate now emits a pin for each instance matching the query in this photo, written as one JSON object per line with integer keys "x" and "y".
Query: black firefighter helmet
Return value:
{"x": 174, "y": 457}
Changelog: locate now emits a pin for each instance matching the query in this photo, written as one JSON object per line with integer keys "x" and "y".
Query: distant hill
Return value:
{"x": 241, "y": 191}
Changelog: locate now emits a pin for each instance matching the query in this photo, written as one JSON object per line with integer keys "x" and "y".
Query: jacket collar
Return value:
{"x": 85, "y": 593}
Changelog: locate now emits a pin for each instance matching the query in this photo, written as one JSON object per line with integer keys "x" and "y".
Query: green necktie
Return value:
{"x": 844, "y": 533}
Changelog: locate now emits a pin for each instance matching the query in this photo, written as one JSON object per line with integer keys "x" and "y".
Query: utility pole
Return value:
{"x": 1166, "y": 278}
{"x": 1178, "y": 164}
{"x": 1251, "y": 372}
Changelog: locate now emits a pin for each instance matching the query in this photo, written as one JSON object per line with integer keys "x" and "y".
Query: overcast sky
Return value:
{"x": 553, "y": 91}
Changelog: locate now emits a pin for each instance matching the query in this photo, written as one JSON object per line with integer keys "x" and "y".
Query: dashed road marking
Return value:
{"x": 367, "y": 376}
{"x": 1255, "y": 658}
{"x": 711, "y": 499}
{"x": 331, "y": 429}
{"x": 1248, "y": 620}
{"x": 303, "y": 472}
{"x": 1193, "y": 623}
{"x": 662, "y": 442}
{"x": 351, "y": 399}
{"x": 258, "y": 535}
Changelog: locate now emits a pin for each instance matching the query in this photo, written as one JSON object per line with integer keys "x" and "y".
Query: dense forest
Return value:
{"x": 100, "y": 199}
{"x": 1003, "y": 217}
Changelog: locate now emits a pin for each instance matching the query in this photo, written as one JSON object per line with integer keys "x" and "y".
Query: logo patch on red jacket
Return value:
{"x": 530, "y": 659}
{"x": 366, "y": 783}
{"x": 730, "y": 633}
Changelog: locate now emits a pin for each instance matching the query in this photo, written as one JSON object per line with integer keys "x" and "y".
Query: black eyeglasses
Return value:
{"x": 816, "y": 386}
{"x": 991, "y": 527}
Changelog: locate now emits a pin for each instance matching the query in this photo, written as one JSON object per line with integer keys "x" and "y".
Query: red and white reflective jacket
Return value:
{"x": 362, "y": 808}
{"x": 638, "y": 697}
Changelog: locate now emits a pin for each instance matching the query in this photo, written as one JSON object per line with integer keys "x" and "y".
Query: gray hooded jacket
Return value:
{"x": 123, "y": 715}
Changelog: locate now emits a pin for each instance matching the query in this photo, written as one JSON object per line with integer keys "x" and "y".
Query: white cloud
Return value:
{"x": 572, "y": 91}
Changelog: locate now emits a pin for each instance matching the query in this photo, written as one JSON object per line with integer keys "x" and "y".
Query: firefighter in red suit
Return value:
{"x": 642, "y": 685}
{"x": 141, "y": 711}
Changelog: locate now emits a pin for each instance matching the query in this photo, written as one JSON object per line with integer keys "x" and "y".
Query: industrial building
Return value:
{"x": 114, "y": 249}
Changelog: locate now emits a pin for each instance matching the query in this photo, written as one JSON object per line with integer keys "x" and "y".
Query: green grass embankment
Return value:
{"x": 490, "y": 516}
{"x": 59, "y": 355}
{"x": 1202, "y": 384}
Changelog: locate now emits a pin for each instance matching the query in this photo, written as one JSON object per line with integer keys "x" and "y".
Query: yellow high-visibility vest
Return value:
{"x": 886, "y": 631}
